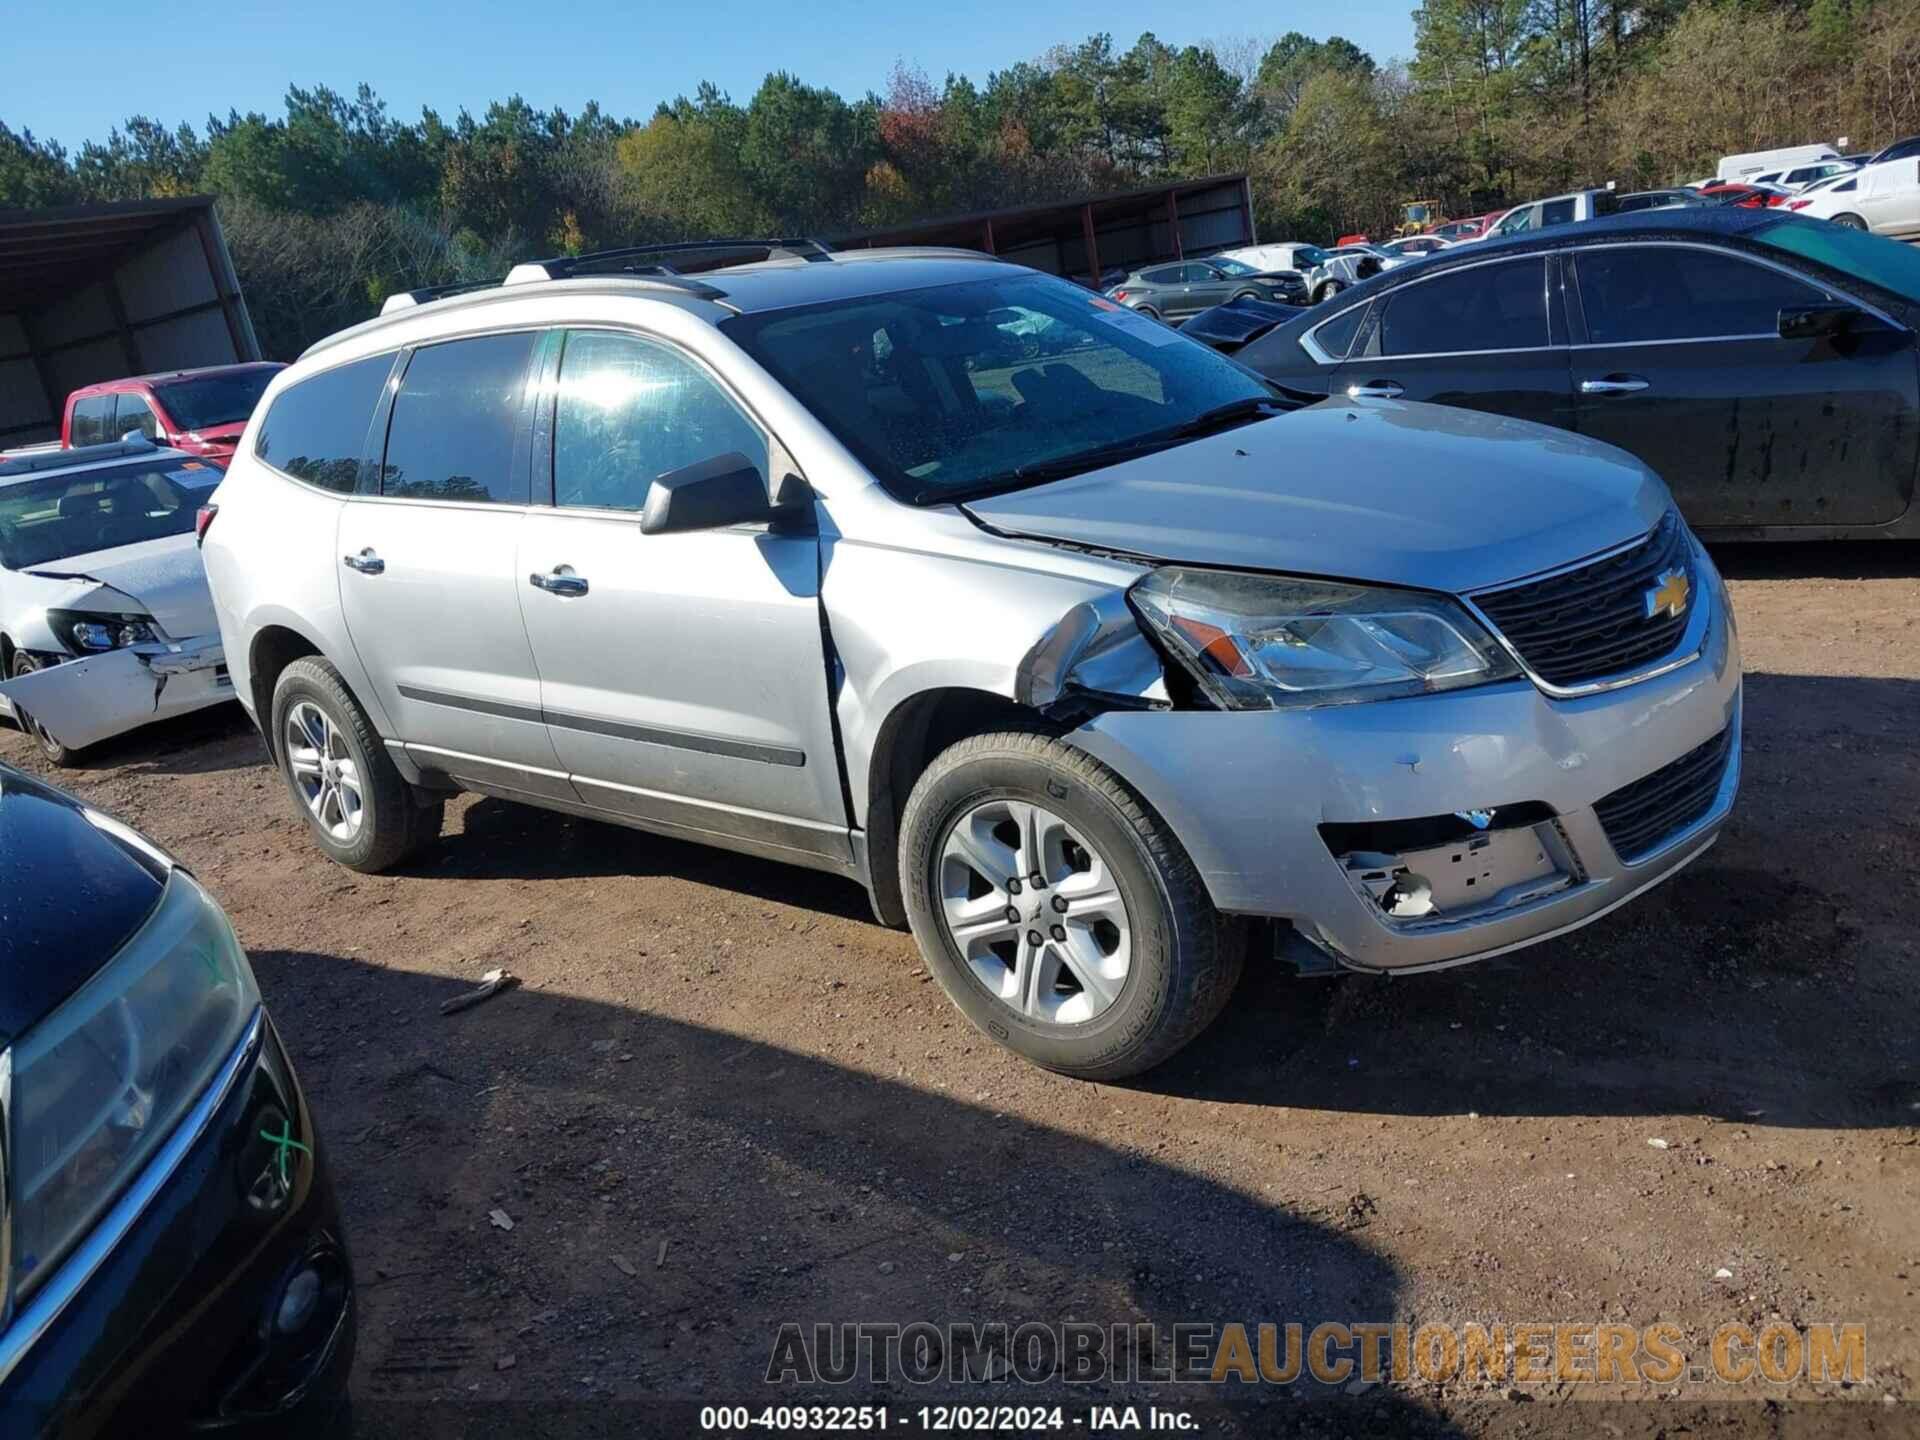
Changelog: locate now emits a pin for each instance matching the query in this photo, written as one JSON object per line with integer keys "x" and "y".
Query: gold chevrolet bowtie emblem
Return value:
{"x": 1670, "y": 595}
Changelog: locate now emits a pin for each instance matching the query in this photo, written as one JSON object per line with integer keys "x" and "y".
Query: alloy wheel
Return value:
{"x": 325, "y": 772}
{"x": 1035, "y": 911}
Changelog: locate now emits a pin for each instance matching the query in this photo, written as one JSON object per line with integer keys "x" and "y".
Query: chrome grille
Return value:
{"x": 1639, "y": 817}
{"x": 1591, "y": 623}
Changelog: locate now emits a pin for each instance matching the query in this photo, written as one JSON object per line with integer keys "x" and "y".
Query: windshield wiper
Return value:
{"x": 1225, "y": 417}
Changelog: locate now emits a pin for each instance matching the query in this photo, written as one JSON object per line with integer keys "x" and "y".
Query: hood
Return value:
{"x": 165, "y": 576}
{"x": 70, "y": 896}
{"x": 1382, "y": 491}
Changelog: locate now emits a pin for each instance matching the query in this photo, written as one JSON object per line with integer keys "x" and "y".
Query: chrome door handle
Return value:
{"x": 366, "y": 562}
{"x": 561, "y": 582}
{"x": 1613, "y": 385}
{"x": 1376, "y": 390}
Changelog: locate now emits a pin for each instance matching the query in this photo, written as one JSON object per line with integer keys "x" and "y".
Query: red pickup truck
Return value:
{"x": 199, "y": 411}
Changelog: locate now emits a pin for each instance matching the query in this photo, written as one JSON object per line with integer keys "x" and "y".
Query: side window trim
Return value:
{"x": 1321, "y": 355}
{"x": 1585, "y": 340}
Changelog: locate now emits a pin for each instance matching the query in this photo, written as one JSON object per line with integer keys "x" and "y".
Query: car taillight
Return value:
{"x": 1118, "y": 294}
{"x": 202, "y": 522}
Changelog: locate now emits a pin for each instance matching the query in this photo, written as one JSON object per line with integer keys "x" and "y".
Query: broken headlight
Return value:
{"x": 1256, "y": 642}
{"x": 101, "y": 1082}
{"x": 86, "y": 632}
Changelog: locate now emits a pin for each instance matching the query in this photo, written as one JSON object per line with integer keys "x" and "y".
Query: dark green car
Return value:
{"x": 1183, "y": 288}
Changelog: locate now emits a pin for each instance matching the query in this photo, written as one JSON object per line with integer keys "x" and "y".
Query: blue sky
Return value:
{"x": 192, "y": 57}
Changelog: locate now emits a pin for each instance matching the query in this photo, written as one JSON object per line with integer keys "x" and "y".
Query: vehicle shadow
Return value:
{"x": 497, "y": 839}
{"x": 1816, "y": 559}
{"x": 1772, "y": 982}
{"x": 675, "y": 1193}
{"x": 202, "y": 743}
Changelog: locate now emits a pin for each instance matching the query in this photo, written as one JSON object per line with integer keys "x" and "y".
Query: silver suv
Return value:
{"x": 1098, "y": 667}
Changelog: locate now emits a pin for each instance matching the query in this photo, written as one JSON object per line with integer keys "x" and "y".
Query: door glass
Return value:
{"x": 1336, "y": 336}
{"x": 1484, "y": 307}
{"x": 131, "y": 413}
{"x": 629, "y": 410}
{"x": 93, "y": 420}
{"x": 1661, "y": 292}
{"x": 1516, "y": 222}
{"x": 455, "y": 420}
{"x": 316, "y": 430}
{"x": 1557, "y": 212}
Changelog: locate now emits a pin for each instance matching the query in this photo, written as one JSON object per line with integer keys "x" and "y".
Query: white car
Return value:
{"x": 1798, "y": 178}
{"x": 102, "y": 594}
{"x": 1883, "y": 198}
{"x": 1415, "y": 247}
{"x": 1285, "y": 255}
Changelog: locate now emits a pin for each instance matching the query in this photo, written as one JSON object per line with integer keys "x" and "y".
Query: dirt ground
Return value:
{"x": 722, "y": 1099}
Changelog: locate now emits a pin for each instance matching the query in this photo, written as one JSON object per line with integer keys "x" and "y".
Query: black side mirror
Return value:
{"x": 710, "y": 495}
{"x": 1816, "y": 322}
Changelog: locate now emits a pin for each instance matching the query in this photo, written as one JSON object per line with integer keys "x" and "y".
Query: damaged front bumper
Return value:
{"x": 1418, "y": 833}
{"x": 94, "y": 697}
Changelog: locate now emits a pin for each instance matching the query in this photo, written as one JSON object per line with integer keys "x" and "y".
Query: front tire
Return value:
{"x": 359, "y": 809}
{"x": 64, "y": 756}
{"x": 1058, "y": 911}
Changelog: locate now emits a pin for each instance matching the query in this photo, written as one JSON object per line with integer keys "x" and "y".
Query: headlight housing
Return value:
{"x": 1258, "y": 642}
{"x": 99, "y": 1084}
{"x": 87, "y": 632}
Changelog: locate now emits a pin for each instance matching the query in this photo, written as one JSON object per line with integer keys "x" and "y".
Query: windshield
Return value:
{"x": 966, "y": 389}
{"x": 1889, "y": 264}
{"x": 1230, "y": 267}
{"x": 213, "y": 399}
{"x": 42, "y": 521}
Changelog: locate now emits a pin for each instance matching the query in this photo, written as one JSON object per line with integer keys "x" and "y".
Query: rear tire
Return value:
{"x": 1851, "y": 221}
{"x": 1119, "y": 902}
{"x": 359, "y": 809}
{"x": 65, "y": 756}
{"x": 1148, "y": 311}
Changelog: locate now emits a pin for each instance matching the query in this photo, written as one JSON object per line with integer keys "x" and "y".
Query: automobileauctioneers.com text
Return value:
{"x": 1331, "y": 1353}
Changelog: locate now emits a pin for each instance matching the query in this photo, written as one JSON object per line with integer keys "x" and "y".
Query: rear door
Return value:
{"x": 1480, "y": 336}
{"x": 683, "y": 676}
{"x": 1682, "y": 364}
{"x": 429, "y": 581}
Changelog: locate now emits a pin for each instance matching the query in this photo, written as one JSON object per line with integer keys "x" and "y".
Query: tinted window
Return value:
{"x": 131, "y": 413}
{"x": 92, "y": 420}
{"x": 455, "y": 421}
{"x": 987, "y": 381}
{"x": 1484, "y": 307}
{"x": 317, "y": 428}
{"x": 1557, "y": 212}
{"x": 1648, "y": 292}
{"x": 1165, "y": 275}
{"x": 214, "y": 399}
{"x": 630, "y": 410}
{"x": 1336, "y": 336}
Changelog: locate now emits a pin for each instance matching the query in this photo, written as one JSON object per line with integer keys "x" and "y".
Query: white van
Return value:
{"x": 1745, "y": 167}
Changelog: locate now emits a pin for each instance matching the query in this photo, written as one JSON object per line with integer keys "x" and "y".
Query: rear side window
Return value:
{"x": 316, "y": 430}
{"x": 131, "y": 413}
{"x": 629, "y": 410}
{"x": 92, "y": 421}
{"x": 456, "y": 419}
{"x": 1483, "y": 307}
{"x": 1665, "y": 292}
{"x": 1336, "y": 336}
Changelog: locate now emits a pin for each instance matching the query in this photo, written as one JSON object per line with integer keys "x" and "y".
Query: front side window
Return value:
{"x": 43, "y": 521}
{"x": 1482, "y": 307}
{"x": 629, "y": 410}
{"x": 455, "y": 419}
{"x": 961, "y": 404}
{"x": 1231, "y": 267}
{"x": 131, "y": 413}
{"x": 1635, "y": 293}
{"x": 92, "y": 421}
{"x": 1519, "y": 220}
{"x": 316, "y": 430}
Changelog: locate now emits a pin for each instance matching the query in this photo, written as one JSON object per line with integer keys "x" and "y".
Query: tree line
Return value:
{"x": 335, "y": 203}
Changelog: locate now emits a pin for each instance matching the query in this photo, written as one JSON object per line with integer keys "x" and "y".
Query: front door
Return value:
{"x": 1207, "y": 287}
{"x": 683, "y": 676}
{"x": 429, "y": 569}
{"x": 1479, "y": 336}
{"x": 1683, "y": 366}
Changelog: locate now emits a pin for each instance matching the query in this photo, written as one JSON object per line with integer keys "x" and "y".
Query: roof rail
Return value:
{"x": 406, "y": 299}
{"x": 670, "y": 260}
{"x": 33, "y": 462}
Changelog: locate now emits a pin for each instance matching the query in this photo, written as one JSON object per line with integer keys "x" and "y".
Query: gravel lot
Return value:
{"x": 723, "y": 1098}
